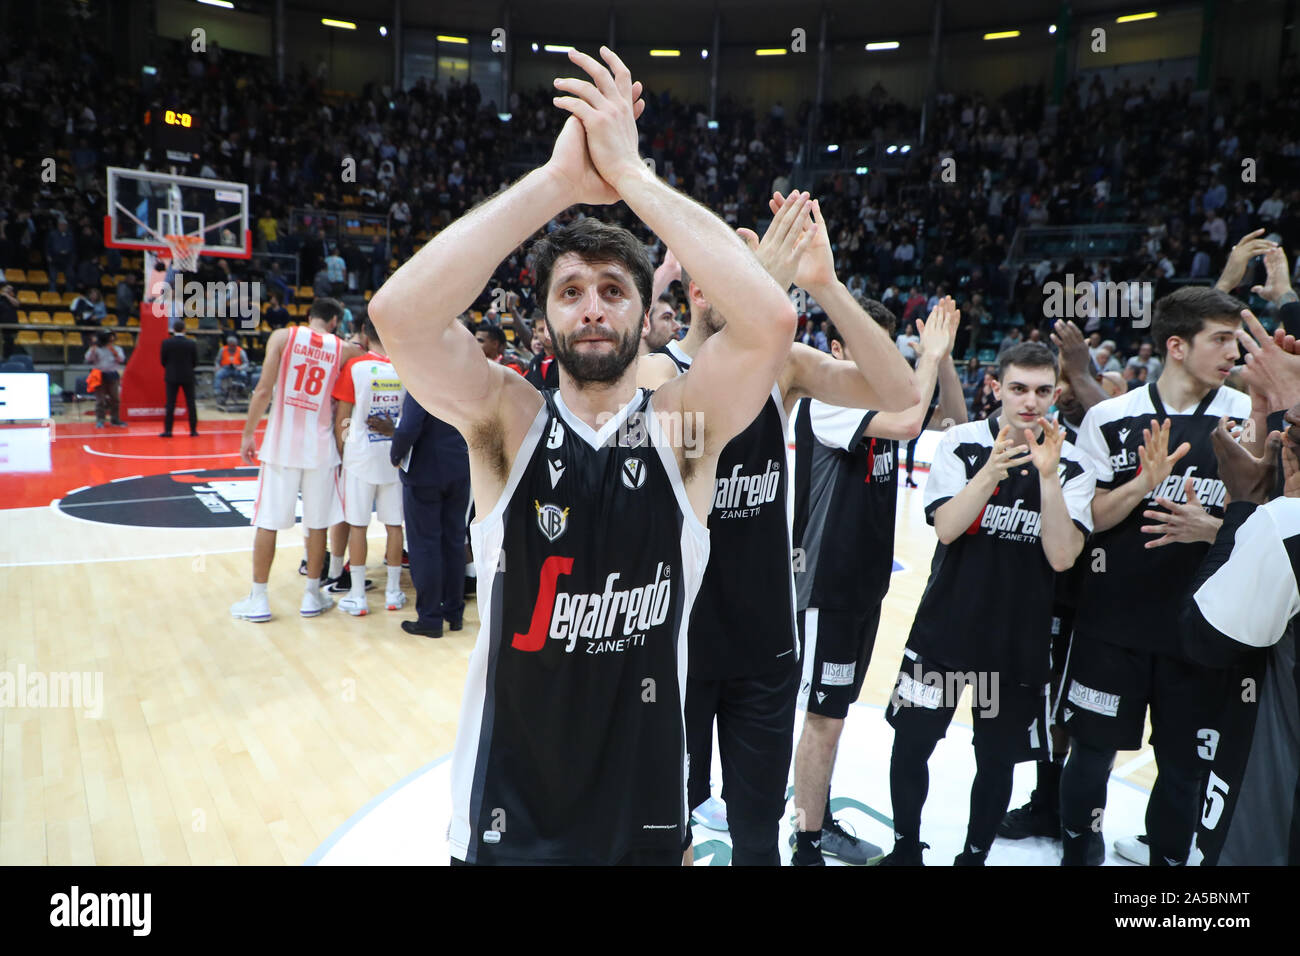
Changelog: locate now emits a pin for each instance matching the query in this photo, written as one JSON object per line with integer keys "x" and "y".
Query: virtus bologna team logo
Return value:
{"x": 551, "y": 519}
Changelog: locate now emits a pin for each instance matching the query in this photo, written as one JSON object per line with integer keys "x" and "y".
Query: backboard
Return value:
{"x": 144, "y": 207}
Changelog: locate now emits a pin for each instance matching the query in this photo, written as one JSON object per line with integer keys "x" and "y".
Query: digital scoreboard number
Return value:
{"x": 173, "y": 135}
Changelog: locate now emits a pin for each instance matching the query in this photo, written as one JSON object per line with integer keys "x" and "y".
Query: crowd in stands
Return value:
{"x": 1162, "y": 157}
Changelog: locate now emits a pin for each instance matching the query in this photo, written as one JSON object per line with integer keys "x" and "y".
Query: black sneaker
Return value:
{"x": 967, "y": 858}
{"x": 456, "y": 625}
{"x": 905, "y": 853}
{"x": 302, "y": 567}
{"x": 343, "y": 583}
{"x": 846, "y": 847}
{"x": 406, "y": 560}
{"x": 1082, "y": 849}
{"x": 794, "y": 860}
{"x": 1034, "y": 819}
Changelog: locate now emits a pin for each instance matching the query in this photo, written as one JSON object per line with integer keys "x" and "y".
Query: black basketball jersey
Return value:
{"x": 988, "y": 603}
{"x": 1132, "y": 595}
{"x": 571, "y": 747}
{"x": 1241, "y": 618}
{"x": 845, "y": 495}
{"x": 743, "y": 622}
{"x": 1070, "y": 583}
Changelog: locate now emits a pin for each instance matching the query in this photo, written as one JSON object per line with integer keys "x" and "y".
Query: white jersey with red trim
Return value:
{"x": 372, "y": 386}
{"x": 300, "y": 428}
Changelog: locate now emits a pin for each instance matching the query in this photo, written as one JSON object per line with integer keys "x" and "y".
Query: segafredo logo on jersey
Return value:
{"x": 882, "y": 465}
{"x": 1011, "y": 520}
{"x": 611, "y": 620}
{"x": 739, "y": 490}
{"x": 1210, "y": 491}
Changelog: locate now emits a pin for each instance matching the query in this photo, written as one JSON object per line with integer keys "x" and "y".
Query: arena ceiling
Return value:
{"x": 687, "y": 22}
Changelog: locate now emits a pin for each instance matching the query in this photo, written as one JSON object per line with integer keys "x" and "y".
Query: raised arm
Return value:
{"x": 937, "y": 336}
{"x": 735, "y": 370}
{"x": 415, "y": 311}
{"x": 878, "y": 377}
{"x": 1075, "y": 367}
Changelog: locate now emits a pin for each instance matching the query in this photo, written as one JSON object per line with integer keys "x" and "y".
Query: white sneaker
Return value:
{"x": 356, "y": 606}
{"x": 711, "y": 814}
{"x": 315, "y": 603}
{"x": 1135, "y": 849}
{"x": 394, "y": 600}
{"x": 252, "y": 608}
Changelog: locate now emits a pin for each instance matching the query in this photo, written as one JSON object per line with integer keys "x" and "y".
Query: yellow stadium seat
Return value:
{"x": 191, "y": 323}
{"x": 110, "y": 300}
{"x": 51, "y": 298}
{"x": 22, "y": 317}
{"x": 133, "y": 321}
{"x": 63, "y": 318}
{"x": 106, "y": 281}
{"x": 15, "y": 275}
{"x": 369, "y": 293}
{"x": 52, "y": 338}
{"x": 28, "y": 297}
{"x": 68, "y": 298}
{"x": 109, "y": 320}
{"x": 38, "y": 318}
{"x": 37, "y": 277}
{"x": 27, "y": 338}
{"x": 305, "y": 292}
{"x": 510, "y": 334}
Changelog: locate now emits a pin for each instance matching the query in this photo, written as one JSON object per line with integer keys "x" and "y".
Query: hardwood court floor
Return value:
{"x": 222, "y": 741}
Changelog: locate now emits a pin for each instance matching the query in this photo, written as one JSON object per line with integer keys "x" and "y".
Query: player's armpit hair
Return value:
{"x": 487, "y": 440}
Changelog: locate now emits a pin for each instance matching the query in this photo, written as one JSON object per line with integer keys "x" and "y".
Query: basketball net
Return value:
{"x": 185, "y": 251}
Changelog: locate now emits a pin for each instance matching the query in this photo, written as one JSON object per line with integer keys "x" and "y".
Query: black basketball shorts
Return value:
{"x": 837, "y": 649}
{"x": 1108, "y": 688}
{"x": 1010, "y": 719}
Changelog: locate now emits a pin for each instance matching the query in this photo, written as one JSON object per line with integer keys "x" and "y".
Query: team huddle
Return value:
{"x": 637, "y": 592}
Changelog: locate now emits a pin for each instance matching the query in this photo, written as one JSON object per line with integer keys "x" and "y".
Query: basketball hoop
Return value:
{"x": 185, "y": 251}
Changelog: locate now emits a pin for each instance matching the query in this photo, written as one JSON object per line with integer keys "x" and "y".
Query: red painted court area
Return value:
{"x": 35, "y": 470}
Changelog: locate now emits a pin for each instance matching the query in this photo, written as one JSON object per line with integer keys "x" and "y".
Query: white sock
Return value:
{"x": 394, "y": 578}
{"x": 259, "y": 590}
{"x": 358, "y": 581}
{"x": 313, "y": 585}
{"x": 336, "y": 565}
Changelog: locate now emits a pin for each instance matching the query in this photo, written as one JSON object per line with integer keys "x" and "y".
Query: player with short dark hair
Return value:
{"x": 590, "y": 540}
{"x": 744, "y": 660}
{"x": 1009, "y": 518}
{"x": 1155, "y": 513}
{"x": 845, "y": 498}
{"x": 1041, "y": 816}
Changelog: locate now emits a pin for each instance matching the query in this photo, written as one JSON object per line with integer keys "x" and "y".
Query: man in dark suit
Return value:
{"x": 435, "y": 496}
{"x": 180, "y": 356}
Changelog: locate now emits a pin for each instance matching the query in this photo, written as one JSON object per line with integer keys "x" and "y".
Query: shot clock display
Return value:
{"x": 173, "y": 135}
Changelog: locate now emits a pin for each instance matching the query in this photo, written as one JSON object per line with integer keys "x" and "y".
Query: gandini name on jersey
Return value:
{"x": 566, "y": 617}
